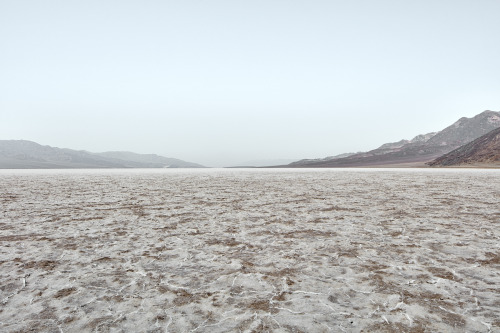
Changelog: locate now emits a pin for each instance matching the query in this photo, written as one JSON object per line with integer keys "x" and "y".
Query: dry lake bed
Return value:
{"x": 379, "y": 250}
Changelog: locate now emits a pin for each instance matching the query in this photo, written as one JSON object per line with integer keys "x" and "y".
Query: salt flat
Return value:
{"x": 250, "y": 250}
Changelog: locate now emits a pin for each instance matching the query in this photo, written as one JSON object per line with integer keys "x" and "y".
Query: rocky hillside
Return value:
{"x": 483, "y": 150}
{"x": 422, "y": 148}
{"x": 422, "y": 138}
{"x": 22, "y": 154}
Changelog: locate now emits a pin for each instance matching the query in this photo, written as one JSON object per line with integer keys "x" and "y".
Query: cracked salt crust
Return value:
{"x": 250, "y": 250}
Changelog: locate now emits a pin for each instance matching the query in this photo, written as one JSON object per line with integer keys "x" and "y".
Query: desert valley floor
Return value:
{"x": 210, "y": 250}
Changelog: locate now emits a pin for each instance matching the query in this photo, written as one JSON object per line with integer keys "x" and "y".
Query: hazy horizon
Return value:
{"x": 222, "y": 83}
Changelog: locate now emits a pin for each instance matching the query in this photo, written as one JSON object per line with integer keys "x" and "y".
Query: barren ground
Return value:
{"x": 250, "y": 250}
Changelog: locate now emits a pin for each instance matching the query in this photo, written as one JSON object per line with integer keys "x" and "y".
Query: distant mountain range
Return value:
{"x": 485, "y": 150}
{"x": 467, "y": 141}
{"x": 423, "y": 148}
{"x": 22, "y": 154}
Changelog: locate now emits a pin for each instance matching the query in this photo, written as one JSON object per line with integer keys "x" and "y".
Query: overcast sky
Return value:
{"x": 225, "y": 82}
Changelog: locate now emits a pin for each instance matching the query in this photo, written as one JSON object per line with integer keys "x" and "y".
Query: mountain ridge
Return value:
{"x": 24, "y": 154}
{"x": 422, "y": 148}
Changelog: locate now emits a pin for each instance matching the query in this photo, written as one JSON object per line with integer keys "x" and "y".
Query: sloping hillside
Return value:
{"x": 484, "y": 150}
{"x": 150, "y": 160}
{"x": 22, "y": 154}
{"x": 422, "y": 148}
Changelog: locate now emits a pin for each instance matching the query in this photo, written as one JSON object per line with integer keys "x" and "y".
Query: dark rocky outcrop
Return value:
{"x": 483, "y": 150}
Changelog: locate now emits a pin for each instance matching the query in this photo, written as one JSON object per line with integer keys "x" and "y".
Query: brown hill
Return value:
{"x": 422, "y": 148}
{"x": 483, "y": 150}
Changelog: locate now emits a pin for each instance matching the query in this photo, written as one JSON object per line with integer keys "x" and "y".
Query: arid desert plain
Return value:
{"x": 267, "y": 250}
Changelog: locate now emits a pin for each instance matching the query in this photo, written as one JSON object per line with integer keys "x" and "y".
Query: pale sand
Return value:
{"x": 250, "y": 251}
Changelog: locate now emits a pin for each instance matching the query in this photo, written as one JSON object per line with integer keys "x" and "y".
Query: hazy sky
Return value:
{"x": 224, "y": 82}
